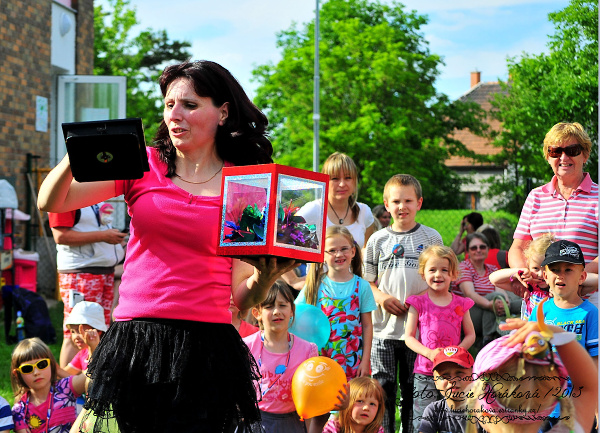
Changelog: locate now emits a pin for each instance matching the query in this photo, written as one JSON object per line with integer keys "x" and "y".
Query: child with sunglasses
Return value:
{"x": 43, "y": 403}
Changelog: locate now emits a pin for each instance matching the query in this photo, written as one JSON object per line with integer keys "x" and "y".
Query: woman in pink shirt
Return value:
{"x": 173, "y": 339}
{"x": 567, "y": 206}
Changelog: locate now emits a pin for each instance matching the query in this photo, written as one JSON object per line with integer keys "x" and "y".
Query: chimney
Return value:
{"x": 475, "y": 78}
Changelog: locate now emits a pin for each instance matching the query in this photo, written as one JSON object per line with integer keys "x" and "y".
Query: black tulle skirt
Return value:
{"x": 173, "y": 375}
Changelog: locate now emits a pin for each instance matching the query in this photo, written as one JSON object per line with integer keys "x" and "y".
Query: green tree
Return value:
{"x": 140, "y": 58}
{"x": 378, "y": 101}
{"x": 560, "y": 86}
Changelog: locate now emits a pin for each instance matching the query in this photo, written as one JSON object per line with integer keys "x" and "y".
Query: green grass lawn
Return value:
{"x": 447, "y": 223}
{"x": 56, "y": 315}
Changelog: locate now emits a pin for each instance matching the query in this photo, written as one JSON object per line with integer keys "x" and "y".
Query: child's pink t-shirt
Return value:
{"x": 80, "y": 360}
{"x": 278, "y": 398}
{"x": 438, "y": 326}
{"x": 62, "y": 416}
{"x": 171, "y": 270}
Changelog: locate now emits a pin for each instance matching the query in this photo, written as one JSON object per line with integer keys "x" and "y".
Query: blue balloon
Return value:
{"x": 311, "y": 324}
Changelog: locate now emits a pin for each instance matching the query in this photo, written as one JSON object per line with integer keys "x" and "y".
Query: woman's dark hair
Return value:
{"x": 492, "y": 235}
{"x": 475, "y": 218}
{"x": 242, "y": 140}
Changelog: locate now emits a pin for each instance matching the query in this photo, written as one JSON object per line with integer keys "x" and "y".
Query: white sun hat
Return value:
{"x": 87, "y": 313}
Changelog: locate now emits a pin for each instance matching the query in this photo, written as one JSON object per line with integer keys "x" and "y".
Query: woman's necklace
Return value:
{"x": 200, "y": 183}
{"x": 341, "y": 220}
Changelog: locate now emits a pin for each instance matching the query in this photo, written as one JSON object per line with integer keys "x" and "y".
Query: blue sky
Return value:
{"x": 468, "y": 34}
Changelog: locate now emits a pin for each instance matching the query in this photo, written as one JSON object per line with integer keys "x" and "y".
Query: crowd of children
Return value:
{"x": 401, "y": 327}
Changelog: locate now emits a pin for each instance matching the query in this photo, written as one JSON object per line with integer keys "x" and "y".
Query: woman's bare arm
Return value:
{"x": 252, "y": 279}
{"x": 61, "y": 193}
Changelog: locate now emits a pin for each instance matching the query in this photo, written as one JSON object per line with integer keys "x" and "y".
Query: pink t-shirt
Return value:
{"x": 62, "y": 415}
{"x": 467, "y": 272}
{"x": 278, "y": 398}
{"x": 80, "y": 360}
{"x": 438, "y": 326}
{"x": 171, "y": 270}
{"x": 574, "y": 219}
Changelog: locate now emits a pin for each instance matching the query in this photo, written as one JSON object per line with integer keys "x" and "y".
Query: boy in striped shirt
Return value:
{"x": 392, "y": 268}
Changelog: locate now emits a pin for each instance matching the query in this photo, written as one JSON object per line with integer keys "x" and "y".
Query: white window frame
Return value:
{"x": 58, "y": 149}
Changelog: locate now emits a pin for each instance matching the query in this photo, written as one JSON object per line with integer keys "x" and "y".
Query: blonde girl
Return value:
{"x": 439, "y": 315}
{"x": 43, "y": 403}
{"x": 342, "y": 209}
{"x": 336, "y": 286}
{"x": 364, "y": 414}
{"x": 527, "y": 352}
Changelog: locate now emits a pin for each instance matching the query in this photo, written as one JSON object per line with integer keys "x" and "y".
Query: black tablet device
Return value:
{"x": 106, "y": 149}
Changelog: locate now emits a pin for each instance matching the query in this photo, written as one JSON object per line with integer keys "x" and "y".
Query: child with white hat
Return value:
{"x": 86, "y": 323}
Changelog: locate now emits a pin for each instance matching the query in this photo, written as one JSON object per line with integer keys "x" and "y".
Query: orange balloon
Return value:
{"x": 315, "y": 386}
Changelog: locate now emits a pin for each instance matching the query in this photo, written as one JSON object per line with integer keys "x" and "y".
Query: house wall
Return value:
{"x": 477, "y": 186}
{"x": 84, "y": 47}
{"x": 32, "y": 52}
{"x": 26, "y": 72}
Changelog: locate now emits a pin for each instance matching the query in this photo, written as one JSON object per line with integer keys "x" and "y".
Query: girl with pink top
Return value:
{"x": 43, "y": 402}
{"x": 172, "y": 334}
{"x": 278, "y": 354}
{"x": 438, "y": 315}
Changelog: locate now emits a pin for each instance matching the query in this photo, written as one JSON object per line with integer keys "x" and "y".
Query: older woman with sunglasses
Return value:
{"x": 474, "y": 282}
{"x": 567, "y": 206}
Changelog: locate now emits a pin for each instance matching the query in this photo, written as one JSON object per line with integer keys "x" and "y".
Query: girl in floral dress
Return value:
{"x": 43, "y": 402}
{"x": 337, "y": 288}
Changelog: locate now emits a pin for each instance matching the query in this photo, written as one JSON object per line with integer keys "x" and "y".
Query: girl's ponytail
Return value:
{"x": 357, "y": 262}
{"x": 314, "y": 275}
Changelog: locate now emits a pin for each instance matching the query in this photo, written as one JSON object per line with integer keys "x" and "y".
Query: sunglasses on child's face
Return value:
{"x": 475, "y": 247}
{"x": 572, "y": 150}
{"x": 28, "y": 368}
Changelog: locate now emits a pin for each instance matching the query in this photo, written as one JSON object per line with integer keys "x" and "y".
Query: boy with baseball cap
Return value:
{"x": 452, "y": 371}
{"x": 564, "y": 272}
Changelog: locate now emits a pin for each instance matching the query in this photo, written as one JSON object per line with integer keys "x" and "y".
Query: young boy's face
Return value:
{"x": 564, "y": 278}
{"x": 402, "y": 203}
{"x": 76, "y": 336}
{"x": 452, "y": 380}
